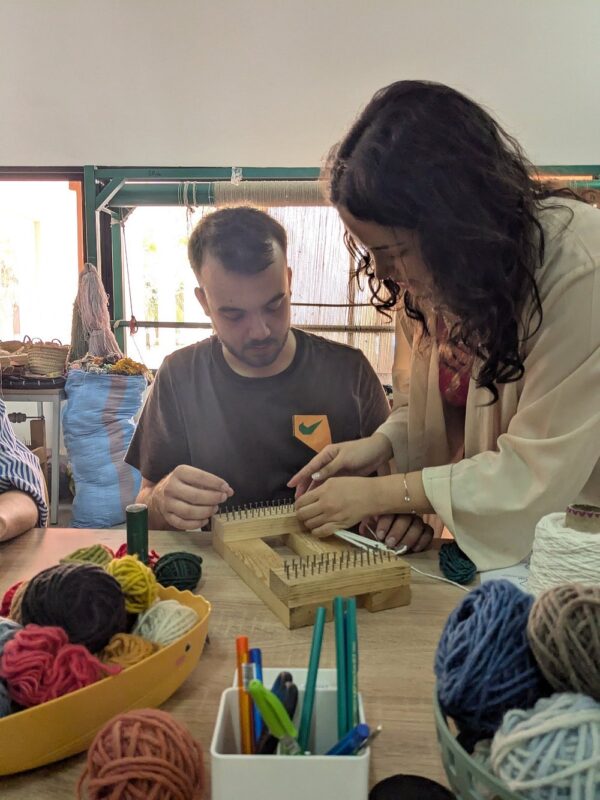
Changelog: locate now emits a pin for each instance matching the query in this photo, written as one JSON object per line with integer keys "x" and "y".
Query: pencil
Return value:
{"x": 352, "y": 663}
{"x": 311, "y": 680}
{"x": 245, "y": 701}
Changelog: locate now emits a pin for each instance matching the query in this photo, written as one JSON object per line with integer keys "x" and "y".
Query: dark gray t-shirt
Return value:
{"x": 200, "y": 412}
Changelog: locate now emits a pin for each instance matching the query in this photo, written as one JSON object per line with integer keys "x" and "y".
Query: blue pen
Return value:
{"x": 351, "y": 742}
{"x": 256, "y": 660}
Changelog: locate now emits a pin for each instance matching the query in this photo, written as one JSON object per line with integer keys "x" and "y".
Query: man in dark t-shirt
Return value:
{"x": 230, "y": 419}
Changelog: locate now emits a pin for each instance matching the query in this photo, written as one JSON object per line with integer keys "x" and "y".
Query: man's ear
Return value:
{"x": 202, "y": 299}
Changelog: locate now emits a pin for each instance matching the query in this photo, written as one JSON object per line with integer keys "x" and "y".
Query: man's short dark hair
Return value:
{"x": 241, "y": 238}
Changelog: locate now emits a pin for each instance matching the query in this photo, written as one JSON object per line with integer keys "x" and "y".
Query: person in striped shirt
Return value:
{"x": 22, "y": 494}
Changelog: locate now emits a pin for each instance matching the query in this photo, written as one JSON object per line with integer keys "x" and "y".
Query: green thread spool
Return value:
{"x": 94, "y": 554}
{"x": 137, "y": 531}
{"x": 181, "y": 570}
{"x": 455, "y": 565}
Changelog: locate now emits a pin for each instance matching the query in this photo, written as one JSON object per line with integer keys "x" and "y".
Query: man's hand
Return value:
{"x": 188, "y": 497}
{"x": 400, "y": 530}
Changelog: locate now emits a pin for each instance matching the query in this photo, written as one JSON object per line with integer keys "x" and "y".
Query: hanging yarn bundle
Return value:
{"x": 136, "y": 580}
{"x": 455, "y": 565}
{"x": 7, "y": 599}
{"x": 81, "y": 598}
{"x": 8, "y": 628}
{"x": 17, "y": 602}
{"x": 165, "y": 621}
{"x": 565, "y": 550}
{"x": 125, "y": 649}
{"x": 153, "y": 556}
{"x": 39, "y": 664}
{"x": 551, "y": 751}
{"x": 99, "y": 554}
{"x": 483, "y": 663}
{"x": 181, "y": 570}
{"x": 564, "y": 634}
{"x": 141, "y": 754}
{"x": 92, "y": 302}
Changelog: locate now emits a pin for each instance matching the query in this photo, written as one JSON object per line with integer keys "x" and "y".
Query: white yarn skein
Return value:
{"x": 562, "y": 555}
{"x": 165, "y": 621}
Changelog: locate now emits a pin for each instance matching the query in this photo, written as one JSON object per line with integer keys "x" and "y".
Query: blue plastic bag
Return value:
{"x": 98, "y": 423}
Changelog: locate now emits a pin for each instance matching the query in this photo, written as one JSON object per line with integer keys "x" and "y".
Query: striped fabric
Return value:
{"x": 19, "y": 468}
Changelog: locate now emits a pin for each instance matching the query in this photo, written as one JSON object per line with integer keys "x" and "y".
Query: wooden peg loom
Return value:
{"x": 314, "y": 572}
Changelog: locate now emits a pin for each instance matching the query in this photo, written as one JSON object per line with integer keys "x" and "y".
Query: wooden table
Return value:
{"x": 396, "y": 655}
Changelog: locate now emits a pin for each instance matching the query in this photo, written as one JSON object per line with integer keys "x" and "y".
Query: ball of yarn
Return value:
{"x": 99, "y": 554}
{"x": 484, "y": 665}
{"x": 153, "y": 556}
{"x": 126, "y": 650}
{"x": 181, "y": 570}
{"x": 409, "y": 787}
{"x": 7, "y": 599}
{"x": 8, "y": 628}
{"x": 81, "y": 598}
{"x": 17, "y": 601}
{"x": 5, "y": 704}
{"x": 551, "y": 751}
{"x": 564, "y": 634}
{"x": 39, "y": 664}
{"x": 144, "y": 753}
{"x": 165, "y": 621}
{"x": 455, "y": 565}
{"x": 136, "y": 580}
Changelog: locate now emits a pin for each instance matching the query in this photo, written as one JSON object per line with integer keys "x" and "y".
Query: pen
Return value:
{"x": 311, "y": 679}
{"x": 340, "y": 664}
{"x": 351, "y": 742}
{"x": 275, "y": 717}
{"x": 245, "y": 702}
{"x": 256, "y": 661}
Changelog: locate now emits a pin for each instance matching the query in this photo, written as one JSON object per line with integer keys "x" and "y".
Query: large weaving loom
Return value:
{"x": 312, "y": 571}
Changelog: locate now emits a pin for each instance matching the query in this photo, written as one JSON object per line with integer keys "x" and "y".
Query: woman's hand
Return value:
{"x": 336, "y": 505}
{"x": 400, "y": 530}
{"x": 360, "y": 457}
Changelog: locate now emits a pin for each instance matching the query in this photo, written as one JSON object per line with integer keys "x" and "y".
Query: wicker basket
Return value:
{"x": 48, "y": 358}
{"x": 468, "y": 779}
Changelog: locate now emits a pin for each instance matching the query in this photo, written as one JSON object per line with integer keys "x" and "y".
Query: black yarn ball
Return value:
{"x": 81, "y": 598}
{"x": 182, "y": 570}
{"x": 409, "y": 787}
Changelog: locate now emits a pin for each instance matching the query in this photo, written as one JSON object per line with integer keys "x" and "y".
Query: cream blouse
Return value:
{"x": 538, "y": 448}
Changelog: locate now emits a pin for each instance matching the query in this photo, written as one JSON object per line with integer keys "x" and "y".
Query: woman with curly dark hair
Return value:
{"x": 496, "y": 285}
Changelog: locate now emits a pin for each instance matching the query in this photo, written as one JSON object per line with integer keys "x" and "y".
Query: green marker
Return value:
{"x": 137, "y": 531}
{"x": 275, "y": 717}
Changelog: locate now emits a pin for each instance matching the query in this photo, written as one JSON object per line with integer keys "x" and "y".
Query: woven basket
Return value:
{"x": 48, "y": 358}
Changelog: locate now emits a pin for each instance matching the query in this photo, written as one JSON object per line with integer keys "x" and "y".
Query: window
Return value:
{"x": 40, "y": 244}
{"x": 159, "y": 283}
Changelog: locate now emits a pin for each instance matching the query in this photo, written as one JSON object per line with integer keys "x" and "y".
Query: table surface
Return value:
{"x": 396, "y": 654}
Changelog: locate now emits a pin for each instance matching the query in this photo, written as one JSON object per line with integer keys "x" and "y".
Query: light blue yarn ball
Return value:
{"x": 8, "y": 628}
{"x": 552, "y": 751}
{"x": 4, "y": 700}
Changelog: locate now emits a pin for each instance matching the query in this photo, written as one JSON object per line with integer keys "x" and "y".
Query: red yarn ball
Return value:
{"x": 144, "y": 753}
{"x": 39, "y": 664}
{"x": 7, "y": 599}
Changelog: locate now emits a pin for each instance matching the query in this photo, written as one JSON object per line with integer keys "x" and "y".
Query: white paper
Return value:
{"x": 519, "y": 574}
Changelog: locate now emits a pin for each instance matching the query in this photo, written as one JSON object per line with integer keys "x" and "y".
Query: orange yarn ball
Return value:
{"x": 144, "y": 753}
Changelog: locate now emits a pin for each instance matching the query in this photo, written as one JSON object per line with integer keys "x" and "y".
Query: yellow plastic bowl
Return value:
{"x": 65, "y": 726}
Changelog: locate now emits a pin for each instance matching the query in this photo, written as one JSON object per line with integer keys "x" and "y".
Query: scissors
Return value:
{"x": 286, "y": 690}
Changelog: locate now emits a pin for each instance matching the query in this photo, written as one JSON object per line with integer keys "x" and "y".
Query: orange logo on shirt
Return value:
{"x": 313, "y": 430}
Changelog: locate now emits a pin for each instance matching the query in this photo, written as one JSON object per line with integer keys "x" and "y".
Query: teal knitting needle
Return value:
{"x": 311, "y": 679}
{"x": 351, "y": 663}
{"x": 340, "y": 662}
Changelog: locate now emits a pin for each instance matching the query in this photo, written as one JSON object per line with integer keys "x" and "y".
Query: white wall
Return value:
{"x": 276, "y": 82}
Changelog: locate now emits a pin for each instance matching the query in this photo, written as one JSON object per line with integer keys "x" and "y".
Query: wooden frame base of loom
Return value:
{"x": 377, "y": 582}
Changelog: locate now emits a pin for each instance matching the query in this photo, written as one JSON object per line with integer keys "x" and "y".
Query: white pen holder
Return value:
{"x": 273, "y": 777}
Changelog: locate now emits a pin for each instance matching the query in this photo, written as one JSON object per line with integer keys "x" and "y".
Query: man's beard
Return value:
{"x": 261, "y": 353}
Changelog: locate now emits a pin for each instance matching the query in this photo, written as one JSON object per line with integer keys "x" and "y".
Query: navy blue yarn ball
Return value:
{"x": 484, "y": 665}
